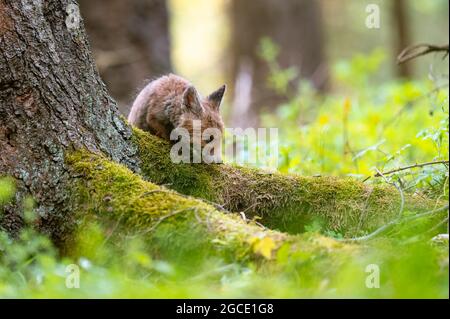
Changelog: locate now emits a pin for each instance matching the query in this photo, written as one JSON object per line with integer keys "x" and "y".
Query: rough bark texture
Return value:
{"x": 294, "y": 25}
{"x": 130, "y": 42}
{"x": 52, "y": 99}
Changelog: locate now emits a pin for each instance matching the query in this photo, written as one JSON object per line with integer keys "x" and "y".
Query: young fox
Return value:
{"x": 171, "y": 102}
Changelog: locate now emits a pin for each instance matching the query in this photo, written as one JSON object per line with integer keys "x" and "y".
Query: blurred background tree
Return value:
{"x": 214, "y": 42}
{"x": 400, "y": 16}
{"x": 130, "y": 42}
{"x": 296, "y": 26}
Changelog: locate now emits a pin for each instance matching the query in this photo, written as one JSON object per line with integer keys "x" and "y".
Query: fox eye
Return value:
{"x": 211, "y": 138}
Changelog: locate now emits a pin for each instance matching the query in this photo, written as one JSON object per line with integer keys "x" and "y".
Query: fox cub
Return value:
{"x": 171, "y": 102}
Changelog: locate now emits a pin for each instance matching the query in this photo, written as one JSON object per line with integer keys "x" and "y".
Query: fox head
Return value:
{"x": 201, "y": 118}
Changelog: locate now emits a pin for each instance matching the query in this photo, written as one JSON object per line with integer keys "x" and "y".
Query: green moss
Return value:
{"x": 190, "y": 179}
{"x": 111, "y": 194}
{"x": 284, "y": 202}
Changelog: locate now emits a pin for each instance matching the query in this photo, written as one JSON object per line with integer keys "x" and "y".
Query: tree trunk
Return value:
{"x": 402, "y": 35}
{"x": 294, "y": 25}
{"x": 130, "y": 42}
{"x": 64, "y": 142}
{"x": 52, "y": 100}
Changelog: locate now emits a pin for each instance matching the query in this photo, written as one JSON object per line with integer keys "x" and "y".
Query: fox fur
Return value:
{"x": 171, "y": 102}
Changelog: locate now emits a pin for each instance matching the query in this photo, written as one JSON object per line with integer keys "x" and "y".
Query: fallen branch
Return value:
{"x": 395, "y": 222}
{"x": 380, "y": 174}
{"x": 417, "y": 50}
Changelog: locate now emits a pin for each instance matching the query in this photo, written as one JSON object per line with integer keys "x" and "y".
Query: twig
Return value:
{"x": 445, "y": 220}
{"x": 159, "y": 190}
{"x": 161, "y": 219}
{"x": 421, "y": 235}
{"x": 364, "y": 213}
{"x": 216, "y": 205}
{"x": 417, "y": 50}
{"x": 379, "y": 174}
{"x": 113, "y": 230}
{"x": 402, "y": 196}
{"x": 259, "y": 224}
{"x": 250, "y": 207}
{"x": 395, "y": 222}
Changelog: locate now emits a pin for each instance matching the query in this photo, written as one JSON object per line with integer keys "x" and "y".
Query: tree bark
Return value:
{"x": 130, "y": 42}
{"x": 52, "y": 99}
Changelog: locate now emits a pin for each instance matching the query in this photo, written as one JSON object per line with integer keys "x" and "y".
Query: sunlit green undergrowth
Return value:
{"x": 361, "y": 125}
{"x": 383, "y": 126}
{"x": 30, "y": 267}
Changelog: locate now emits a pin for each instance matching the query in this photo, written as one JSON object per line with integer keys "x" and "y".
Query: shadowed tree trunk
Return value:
{"x": 65, "y": 144}
{"x": 402, "y": 37}
{"x": 52, "y": 100}
{"x": 130, "y": 42}
{"x": 294, "y": 25}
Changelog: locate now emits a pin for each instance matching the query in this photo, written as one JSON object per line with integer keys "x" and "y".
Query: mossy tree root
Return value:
{"x": 284, "y": 202}
{"x": 112, "y": 194}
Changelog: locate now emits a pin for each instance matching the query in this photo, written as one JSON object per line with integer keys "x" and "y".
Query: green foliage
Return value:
{"x": 130, "y": 268}
{"x": 125, "y": 246}
{"x": 364, "y": 126}
{"x": 279, "y": 78}
{"x": 180, "y": 260}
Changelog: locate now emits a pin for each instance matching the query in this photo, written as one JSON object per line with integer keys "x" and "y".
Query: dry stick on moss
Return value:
{"x": 216, "y": 205}
{"x": 395, "y": 222}
{"x": 379, "y": 174}
{"x": 161, "y": 219}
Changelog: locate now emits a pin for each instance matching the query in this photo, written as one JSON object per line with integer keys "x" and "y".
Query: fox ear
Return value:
{"x": 191, "y": 101}
{"x": 216, "y": 96}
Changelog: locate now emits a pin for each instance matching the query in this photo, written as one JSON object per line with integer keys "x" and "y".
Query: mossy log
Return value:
{"x": 111, "y": 193}
{"x": 284, "y": 202}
